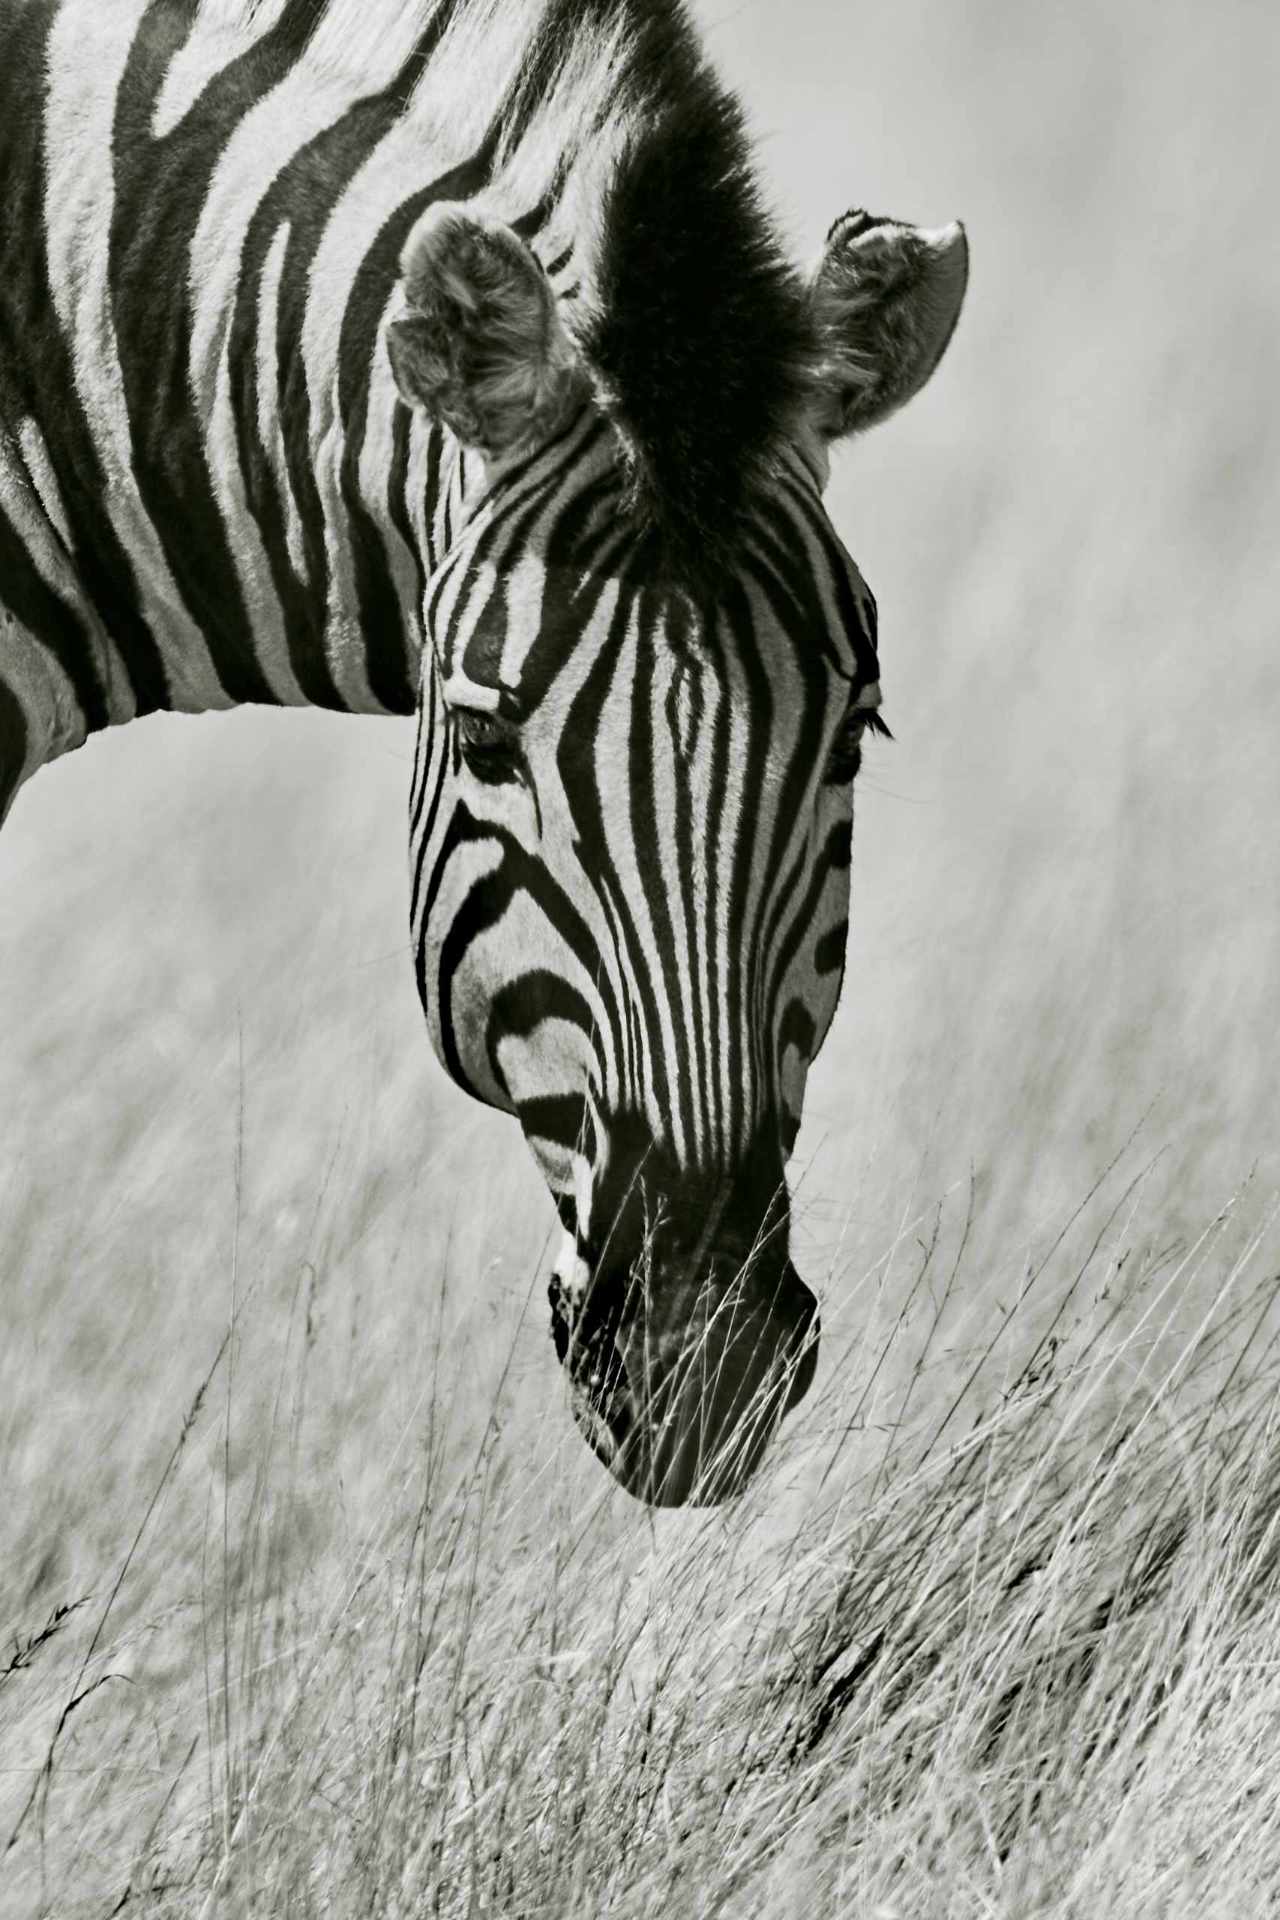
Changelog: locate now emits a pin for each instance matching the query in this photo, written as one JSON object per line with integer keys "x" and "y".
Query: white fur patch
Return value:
{"x": 35, "y": 454}
{"x": 571, "y": 1270}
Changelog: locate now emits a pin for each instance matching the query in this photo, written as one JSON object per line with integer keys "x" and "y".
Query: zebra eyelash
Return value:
{"x": 846, "y": 754}
{"x": 489, "y": 746}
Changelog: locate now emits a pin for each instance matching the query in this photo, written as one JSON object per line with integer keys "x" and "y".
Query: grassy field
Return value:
{"x": 311, "y": 1602}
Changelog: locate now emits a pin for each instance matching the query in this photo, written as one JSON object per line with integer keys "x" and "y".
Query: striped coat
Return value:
{"x": 440, "y": 357}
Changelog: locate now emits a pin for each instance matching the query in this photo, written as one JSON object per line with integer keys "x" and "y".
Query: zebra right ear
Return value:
{"x": 480, "y": 346}
{"x": 885, "y": 299}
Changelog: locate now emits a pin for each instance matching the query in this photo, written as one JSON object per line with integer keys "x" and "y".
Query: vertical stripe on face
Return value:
{"x": 13, "y": 747}
{"x": 667, "y": 849}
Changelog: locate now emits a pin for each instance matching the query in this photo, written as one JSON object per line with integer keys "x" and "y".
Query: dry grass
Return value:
{"x": 993, "y": 1634}
{"x": 307, "y": 1586}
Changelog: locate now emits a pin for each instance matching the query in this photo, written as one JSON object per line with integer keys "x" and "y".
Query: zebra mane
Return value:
{"x": 699, "y": 331}
{"x": 696, "y": 329}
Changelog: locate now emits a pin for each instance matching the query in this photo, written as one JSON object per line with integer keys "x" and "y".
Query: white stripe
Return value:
{"x": 684, "y": 900}
{"x": 269, "y": 431}
{"x": 526, "y": 583}
{"x": 613, "y": 782}
{"x": 702, "y": 799}
{"x": 460, "y": 690}
{"x": 728, "y": 932}
{"x": 35, "y": 454}
{"x": 398, "y": 164}
{"x": 376, "y": 465}
{"x": 260, "y": 146}
{"x": 215, "y": 40}
{"x": 55, "y": 722}
{"x": 88, "y": 50}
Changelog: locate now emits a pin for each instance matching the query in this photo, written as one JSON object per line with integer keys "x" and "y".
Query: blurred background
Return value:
{"x": 1067, "y": 906}
{"x": 1067, "y": 869}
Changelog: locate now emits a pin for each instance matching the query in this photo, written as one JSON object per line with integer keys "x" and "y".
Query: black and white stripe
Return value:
{"x": 647, "y": 660}
{"x": 673, "y": 857}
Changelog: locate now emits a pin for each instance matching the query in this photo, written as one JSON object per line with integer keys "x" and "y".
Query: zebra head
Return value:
{"x": 632, "y": 815}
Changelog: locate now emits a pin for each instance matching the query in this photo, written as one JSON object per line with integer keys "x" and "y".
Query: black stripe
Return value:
{"x": 57, "y": 627}
{"x": 563, "y": 1118}
{"x": 520, "y": 1007}
{"x": 488, "y": 900}
{"x": 794, "y": 794}
{"x": 574, "y": 759}
{"x": 530, "y": 493}
{"x": 511, "y": 531}
{"x": 390, "y": 670}
{"x": 856, "y": 618}
{"x": 160, "y": 195}
{"x": 796, "y": 1029}
{"x": 529, "y": 225}
{"x": 37, "y": 380}
{"x": 649, "y": 833}
{"x": 434, "y": 490}
{"x": 784, "y": 895}
{"x": 688, "y": 677}
{"x": 401, "y": 520}
{"x": 834, "y": 858}
{"x": 13, "y": 746}
{"x": 829, "y": 952}
{"x": 301, "y": 201}
{"x": 422, "y": 750}
{"x": 432, "y": 724}
{"x": 758, "y": 713}
{"x": 718, "y": 787}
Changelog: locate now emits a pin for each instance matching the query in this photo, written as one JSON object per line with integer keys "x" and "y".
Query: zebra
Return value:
{"x": 439, "y": 356}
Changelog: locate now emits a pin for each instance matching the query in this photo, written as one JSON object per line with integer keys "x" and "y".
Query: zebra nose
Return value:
{"x": 678, "y": 1380}
{"x": 716, "y": 1375}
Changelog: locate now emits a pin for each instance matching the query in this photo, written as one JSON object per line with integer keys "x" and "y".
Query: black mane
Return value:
{"x": 698, "y": 329}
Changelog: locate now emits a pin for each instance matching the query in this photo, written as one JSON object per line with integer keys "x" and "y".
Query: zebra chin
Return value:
{"x": 679, "y": 1385}
{"x": 686, "y": 1344}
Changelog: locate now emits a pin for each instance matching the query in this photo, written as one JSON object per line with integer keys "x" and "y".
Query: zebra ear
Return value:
{"x": 886, "y": 298}
{"x": 480, "y": 346}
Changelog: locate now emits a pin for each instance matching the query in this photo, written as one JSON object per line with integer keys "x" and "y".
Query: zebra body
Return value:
{"x": 199, "y": 508}
{"x": 326, "y": 333}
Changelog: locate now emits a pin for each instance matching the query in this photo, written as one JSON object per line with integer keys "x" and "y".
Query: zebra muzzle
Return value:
{"x": 677, "y": 1384}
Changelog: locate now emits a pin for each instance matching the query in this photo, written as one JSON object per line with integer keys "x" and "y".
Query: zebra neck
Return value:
{"x": 59, "y": 678}
{"x": 325, "y": 536}
{"x": 209, "y": 491}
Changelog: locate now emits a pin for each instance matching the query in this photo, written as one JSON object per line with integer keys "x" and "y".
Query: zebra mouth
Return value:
{"x": 713, "y": 1371}
{"x": 586, "y": 1345}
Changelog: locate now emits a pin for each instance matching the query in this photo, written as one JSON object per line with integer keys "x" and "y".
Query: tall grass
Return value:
{"x": 993, "y": 1633}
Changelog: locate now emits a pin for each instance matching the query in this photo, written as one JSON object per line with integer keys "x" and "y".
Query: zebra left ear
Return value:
{"x": 886, "y": 298}
{"x": 480, "y": 347}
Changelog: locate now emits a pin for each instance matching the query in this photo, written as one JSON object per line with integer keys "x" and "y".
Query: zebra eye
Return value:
{"x": 489, "y": 746}
{"x": 846, "y": 754}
